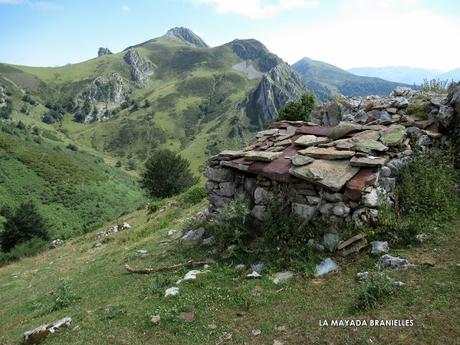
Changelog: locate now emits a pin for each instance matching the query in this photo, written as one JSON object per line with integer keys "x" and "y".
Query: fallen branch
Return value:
{"x": 190, "y": 263}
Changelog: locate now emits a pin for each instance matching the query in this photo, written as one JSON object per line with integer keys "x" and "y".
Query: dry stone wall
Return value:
{"x": 340, "y": 173}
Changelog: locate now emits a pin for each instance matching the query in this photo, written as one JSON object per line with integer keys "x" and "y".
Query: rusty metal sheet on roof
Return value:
{"x": 314, "y": 130}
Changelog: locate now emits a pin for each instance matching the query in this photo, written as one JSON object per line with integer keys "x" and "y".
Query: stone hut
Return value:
{"x": 340, "y": 173}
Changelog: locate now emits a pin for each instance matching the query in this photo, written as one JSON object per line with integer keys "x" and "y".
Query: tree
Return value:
{"x": 22, "y": 224}
{"x": 298, "y": 111}
{"x": 6, "y": 110}
{"x": 166, "y": 173}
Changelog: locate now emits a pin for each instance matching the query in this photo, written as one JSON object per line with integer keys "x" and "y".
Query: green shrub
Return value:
{"x": 232, "y": 228}
{"x": 434, "y": 85}
{"x": 63, "y": 296}
{"x": 193, "y": 196}
{"x": 298, "y": 111}
{"x": 427, "y": 187}
{"x": 166, "y": 173}
{"x": 155, "y": 204}
{"x": 374, "y": 289}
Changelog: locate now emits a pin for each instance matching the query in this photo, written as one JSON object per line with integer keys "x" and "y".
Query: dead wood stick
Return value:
{"x": 148, "y": 270}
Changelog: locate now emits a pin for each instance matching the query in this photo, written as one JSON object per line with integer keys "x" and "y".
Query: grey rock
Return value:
{"x": 445, "y": 116}
{"x": 379, "y": 247}
{"x": 258, "y": 267}
{"x": 304, "y": 211}
{"x": 413, "y": 130}
{"x": 141, "y": 251}
{"x": 186, "y": 36}
{"x": 258, "y": 212}
{"x": 333, "y": 197}
{"x": 172, "y": 291}
{"x": 263, "y": 196}
{"x": 331, "y": 241}
{"x": 209, "y": 241}
{"x": 389, "y": 184}
{"x": 403, "y": 91}
{"x": 392, "y": 262}
{"x": 281, "y": 277}
{"x": 340, "y": 210}
{"x": 227, "y": 189}
{"x": 219, "y": 174}
{"x": 141, "y": 68}
{"x": 240, "y": 267}
{"x": 326, "y": 266}
{"x": 371, "y": 199}
{"x": 193, "y": 235}
{"x": 103, "y": 51}
{"x": 385, "y": 171}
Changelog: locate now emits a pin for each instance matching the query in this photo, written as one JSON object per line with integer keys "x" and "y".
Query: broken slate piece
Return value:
{"x": 253, "y": 274}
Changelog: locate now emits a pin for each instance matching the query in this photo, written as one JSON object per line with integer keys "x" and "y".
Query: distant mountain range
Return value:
{"x": 328, "y": 81}
{"x": 404, "y": 74}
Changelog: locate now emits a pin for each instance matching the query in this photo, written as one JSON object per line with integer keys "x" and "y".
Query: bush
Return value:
{"x": 5, "y": 112}
{"x": 72, "y": 147}
{"x": 434, "y": 85}
{"x": 375, "y": 288}
{"x": 193, "y": 196}
{"x": 166, "y": 173}
{"x": 63, "y": 296}
{"x": 232, "y": 228}
{"x": 22, "y": 225}
{"x": 298, "y": 111}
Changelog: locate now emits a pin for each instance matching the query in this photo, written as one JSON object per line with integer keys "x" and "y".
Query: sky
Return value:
{"x": 345, "y": 33}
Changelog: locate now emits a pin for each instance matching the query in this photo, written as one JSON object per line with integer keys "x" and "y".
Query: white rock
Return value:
{"x": 282, "y": 277}
{"x": 141, "y": 251}
{"x": 258, "y": 267}
{"x": 193, "y": 235}
{"x": 371, "y": 199}
{"x": 172, "y": 232}
{"x": 326, "y": 266}
{"x": 393, "y": 262}
{"x": 172, "y": 291}
{"x": 254, "y": 274}
{"x": 379, "y": 247}
{"x": 240, "y": 267}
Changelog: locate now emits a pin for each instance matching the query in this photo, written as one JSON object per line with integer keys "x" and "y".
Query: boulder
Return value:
{"x": 393, "y": 262}
{"x": 379, "y": 247}
{"x": 193, "y": 235}
{"x": 371, "y": 199}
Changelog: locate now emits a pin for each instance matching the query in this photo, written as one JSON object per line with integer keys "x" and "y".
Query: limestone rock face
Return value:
{"x": 277, "y": 88}
{"x": 187, "y": 36}
{"x": 104, "y": 51}
{"x": 104, "y": 94}
{"x": 141, "y": 68}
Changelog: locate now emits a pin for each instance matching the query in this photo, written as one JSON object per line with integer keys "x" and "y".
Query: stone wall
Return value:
{"x": 339, "y": 173}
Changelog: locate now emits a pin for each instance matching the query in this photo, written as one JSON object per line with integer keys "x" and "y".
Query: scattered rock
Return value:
{"x": 326, "y": 266}
{"x": 187, "y": 316}
{"x": 172, "y": 291}
{"x": 281, "y": 277}
{"x": 56, "y": 243}
{"x": 379, "y": 247}
{"x": 253, "y": 274}
{"x": 225, "y": 336}
{"x": 331, "y": 241}
{"x": 300, "y": 160}
{"x": 209, "y": 241}
{"x": 371, "y": 199}
{"x": 421, "y": 237}
{"x": 256, "y": 332}
{"x": 240, "y": 267}
{"x": 172, "y": 232}
{"x": 39, "y": 334}
{"x": 141, "y": 251}
{"x": 258, "y": 267}
{"x": 352, "y": 245}
{"x": 277, "y": 342}
{"x": 392, "y": 262}
{"x": 155, "y": 319}
{"x": 193, "y": 235}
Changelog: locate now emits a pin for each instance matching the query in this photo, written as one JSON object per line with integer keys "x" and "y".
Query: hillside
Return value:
{"x": 110, "y": 306}
{"x": 330, "y": 81}
{"x": 170, "y": 92}
{"x": 75, "y": 191}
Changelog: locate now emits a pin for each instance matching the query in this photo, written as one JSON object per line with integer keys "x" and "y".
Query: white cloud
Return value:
{"x": 125, "y": 8}
{"x": 373, "y": 33}
{"x": 256, "y": 9}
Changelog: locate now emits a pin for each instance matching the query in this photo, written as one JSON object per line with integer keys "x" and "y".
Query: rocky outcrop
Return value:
{"x": 104, "y": 94}
{"x": 276, "y": 89}
{"x": 141, "y": 68}
{"x": 104, "y": 51}
{"x": 2, "y": 96}
{"x": 255, "y": 51}
{"x": 453, "y": 100}
{"x": 186, "y": 36}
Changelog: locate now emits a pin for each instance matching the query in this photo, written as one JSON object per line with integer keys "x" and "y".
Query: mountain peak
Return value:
{"x": 187, "y": 36}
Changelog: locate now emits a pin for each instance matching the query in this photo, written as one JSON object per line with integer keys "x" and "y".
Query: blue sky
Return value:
{"x": 346, "y": 33}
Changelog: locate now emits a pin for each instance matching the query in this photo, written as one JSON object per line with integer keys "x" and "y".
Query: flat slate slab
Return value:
{"x": 311, "y": 140}
{"x": 332, "y": 174}
{"x": 356, "y": 185}
{"x": 300, "y": 160}
{"x": 263, "y": 156}
{"x": 369, "y": 161}
{"x": 326, "y": 153}
{"x": 369, "y": 145}
{"x": 314, "y": 130}
{"x": 393, "y": 135}
{"x": 367, "y": 134}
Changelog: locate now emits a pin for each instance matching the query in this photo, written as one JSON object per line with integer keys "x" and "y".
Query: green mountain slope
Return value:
{"x": 167, "y": 92}
{"x": 330, "y": 81}
{"x": 75, "y": 191}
